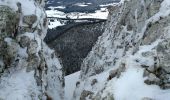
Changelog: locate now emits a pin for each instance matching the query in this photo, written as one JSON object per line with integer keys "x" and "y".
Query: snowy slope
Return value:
{"x": 130, "y": 61}
{"x": 70, "y": 85}
{"x": 101, "y": 13}
{"x": 19, "y": 86}
{"x": 29, "y": 69}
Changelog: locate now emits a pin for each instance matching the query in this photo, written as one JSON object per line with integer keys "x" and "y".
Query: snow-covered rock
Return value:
{"x": 130, "y": 61}
{"x": 29, "y": 70}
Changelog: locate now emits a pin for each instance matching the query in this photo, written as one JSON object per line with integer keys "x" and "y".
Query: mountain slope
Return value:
{"x": 29, "y": 70}
{"x": 130, "y": 61}
{"x": 78, "y": 5}
{"x": 74, "y": 44}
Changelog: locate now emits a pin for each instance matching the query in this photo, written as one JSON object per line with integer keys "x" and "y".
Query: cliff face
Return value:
{"x": 29, "y": 70}
{"x": 131, "y": 59}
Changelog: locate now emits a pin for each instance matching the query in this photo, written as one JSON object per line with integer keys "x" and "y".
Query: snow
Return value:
{"x": 163, "y": 12}
{"x": 55, "y": 13}
{"x": 28, "y": 7}
{"x": 131, "y": 83}
{"x": 70, "y": 84}
{"x": 102, "y": 13}
{"x": 55, "y": 24}
{"x": 99, "y": 14}
{"x": 110, "y": 4}
{"x": 122, "y": 1}
{"x": 146, "y": 48}
{"x": 26, "y": 4}
{"x": 15, "y": 82}
{"x": 89, "y": 3}
{"x": 59, "y": 7}
{"x": 19, "y": 85}
{"x": 22, "y": 52}
{"x": 81, "y": 4}
{"x": 131, "y": 86}
{"x": 8, "y": 40}
{"x": 53, "y": 76}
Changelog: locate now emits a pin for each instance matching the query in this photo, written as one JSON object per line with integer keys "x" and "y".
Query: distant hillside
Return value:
{"x": 71, "y": 5}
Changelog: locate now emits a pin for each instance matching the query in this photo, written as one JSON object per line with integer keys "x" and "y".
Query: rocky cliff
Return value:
{"x": 131, "y": 60}
{"x": 29, "y": 70}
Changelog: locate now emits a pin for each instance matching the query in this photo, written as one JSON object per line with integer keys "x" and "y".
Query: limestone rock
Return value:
{"x": 8, "y": 21}
{"x": 85, "y": 94}
{"x": 136, "y": 39}
{"x": 30, "y": 19}
{"x": 152, "y": 79}
{"x": 24, "y": 42}
{"x": 94, "y": 81}
{"x": 26, "y": 62}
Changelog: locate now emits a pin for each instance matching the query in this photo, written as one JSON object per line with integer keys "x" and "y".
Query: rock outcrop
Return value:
{"x": 29, "y": 70}
{"x": 135, "y": 50}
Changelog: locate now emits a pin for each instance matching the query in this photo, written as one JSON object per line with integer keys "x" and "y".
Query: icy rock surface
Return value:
{"x": 130, "y": 61}
{"x": 29, "y": 70}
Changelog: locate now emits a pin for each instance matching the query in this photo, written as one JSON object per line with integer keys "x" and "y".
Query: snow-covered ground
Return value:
{"x": 19, "y": 81}
{"x": 106, "y": 5}
{"x": 55, "y": 23}
{"x": 70, "y": 85}
{"x": 98, "y": 14}
{"x": 18, "y": 86}
{"x": 81, "y": 4}
{"x": 129, "y": 86}
{"x": 131, "y": 83}
{"x": 60, "y": 7}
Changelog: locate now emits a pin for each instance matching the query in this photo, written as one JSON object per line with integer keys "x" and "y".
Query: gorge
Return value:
{"x": 129, "y": 59}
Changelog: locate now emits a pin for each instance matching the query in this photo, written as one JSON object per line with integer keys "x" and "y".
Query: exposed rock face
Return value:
{"x": 30, "y": 19}
{"x": 29, "y": 70}
{"x": 136, "y": 40}
{"x": 86, "y": 94}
